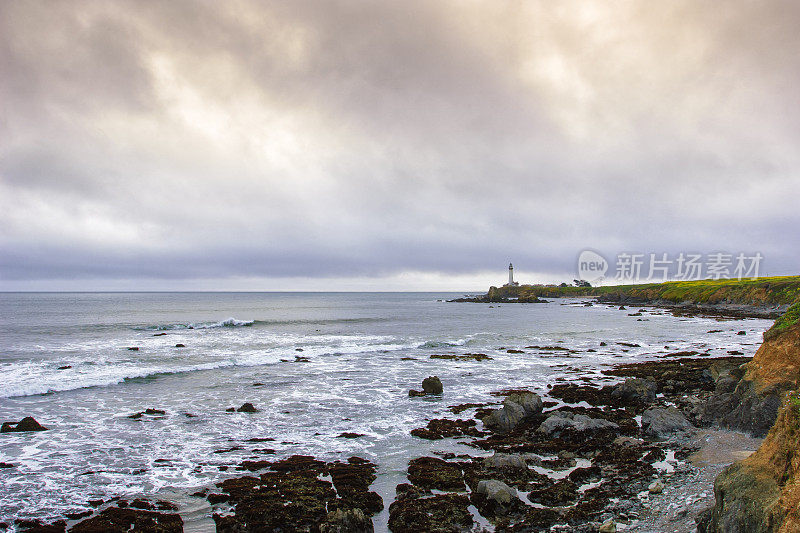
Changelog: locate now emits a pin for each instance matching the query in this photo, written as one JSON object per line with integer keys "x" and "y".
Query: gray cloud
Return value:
{"x": 172, "y": 140}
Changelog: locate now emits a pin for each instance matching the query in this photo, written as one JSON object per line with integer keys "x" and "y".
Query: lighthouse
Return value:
{"x": 511, "y": 282}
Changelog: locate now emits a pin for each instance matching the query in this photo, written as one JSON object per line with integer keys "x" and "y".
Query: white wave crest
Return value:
{"x": 227, "y": 323}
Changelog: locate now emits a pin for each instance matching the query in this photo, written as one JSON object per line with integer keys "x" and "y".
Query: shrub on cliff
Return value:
{"x": 786, "y": 321}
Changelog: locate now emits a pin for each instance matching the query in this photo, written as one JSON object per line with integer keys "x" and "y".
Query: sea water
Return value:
{"x": 315, "y": 365}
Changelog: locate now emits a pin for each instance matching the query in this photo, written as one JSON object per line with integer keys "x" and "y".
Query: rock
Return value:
{"x": 722, "y": 368}
{"x": 516, "y": 407}
{"x": 294, "y": 495}
{"x": 497, "y": 491}
{"x": 501, "y": 461}
{"x": 441, "y": 513}
{"x": 123, "y": 520}
{"x": 149, "y": 411}
{"x": 664, "y": 422}
{"x": 38, "y": 526}
{"x": 26, "y": 424}
{"x": 563, "y": 492}
{"x": 441, "y": 428}
{"x": 247, "y": 408}
{"x": 349, "y": 435}
{"x": 557, "y": 423}
{"x": 609, "y": 526}
{"x": 635, "y": 391}
{"x": 530, "y": 402}
{"x": 656, "y": 487}
{"x": 741, "y": 333}
{"x": 454, "y": 357}
{"x": 627, "y": 441}
{"x": 179, "y": 345}
{"x": 432, "y": 385}
{"x": 434, "y": 473}
{"x": 347, "y": 521}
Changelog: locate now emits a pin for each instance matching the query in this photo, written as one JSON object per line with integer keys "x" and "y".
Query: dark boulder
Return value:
{"x": 432, "y": 385}
{"x": 635, "y": 391}
{"x": 26, "y": 424}
{"x": 663, "y": 423}
{"x": 517, "y": 407}
{"x": 247, "y": 408}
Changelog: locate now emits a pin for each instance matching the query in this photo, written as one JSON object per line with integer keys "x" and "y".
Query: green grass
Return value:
{"x": 779, "y": 290}
{"x": 784, "y": 322}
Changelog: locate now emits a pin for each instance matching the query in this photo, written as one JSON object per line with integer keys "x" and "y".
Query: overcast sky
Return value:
{"x": 398, "y": 145}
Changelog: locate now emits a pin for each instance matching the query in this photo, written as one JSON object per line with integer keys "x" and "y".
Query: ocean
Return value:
{"x": 315, "y": 365}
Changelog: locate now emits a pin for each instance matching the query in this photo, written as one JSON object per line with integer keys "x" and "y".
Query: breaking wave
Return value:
{"x": 227, "y": 323}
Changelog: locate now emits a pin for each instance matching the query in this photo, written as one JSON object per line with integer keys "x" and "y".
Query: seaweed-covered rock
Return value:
{"x": 442, "y": 513}
{"x": 441, "y": 428}
{"x": 347, "y": 521}
{"x": 38, "y": 526}
{"x": 563, "y": 492}
{"x": 435, "y": 473}
{"x": 293, "y": 496}
{"x": 127, "y": 520}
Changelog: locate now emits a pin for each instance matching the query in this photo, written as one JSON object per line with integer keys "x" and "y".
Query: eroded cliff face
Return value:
{"x": 761, "y": 494}
{"x": 751, "y": 403}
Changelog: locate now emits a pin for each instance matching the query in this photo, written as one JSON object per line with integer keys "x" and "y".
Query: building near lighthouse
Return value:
{"x": 511, "y": 282}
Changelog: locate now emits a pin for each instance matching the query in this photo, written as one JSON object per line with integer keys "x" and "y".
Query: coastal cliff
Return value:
{"x": 761, "y": 493}
{"x": 751, "y": 403}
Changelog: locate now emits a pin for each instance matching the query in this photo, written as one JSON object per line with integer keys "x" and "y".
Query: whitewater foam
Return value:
{"x": 227, "y": 323}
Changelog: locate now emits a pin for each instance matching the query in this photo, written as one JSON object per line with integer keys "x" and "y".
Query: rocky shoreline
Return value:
{"x": 688, "y": 308}
{"x": 583, "y": 456}
{"x": 537, "y": 465}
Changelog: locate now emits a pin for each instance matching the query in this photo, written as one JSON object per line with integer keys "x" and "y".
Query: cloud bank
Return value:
{"x": 149, "y": 144}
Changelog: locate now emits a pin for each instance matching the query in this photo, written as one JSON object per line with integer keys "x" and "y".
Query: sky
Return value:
{"x": 415, "y": 145}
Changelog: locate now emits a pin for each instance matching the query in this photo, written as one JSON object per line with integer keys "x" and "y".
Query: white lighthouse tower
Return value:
{"x": 511, "y": 282}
